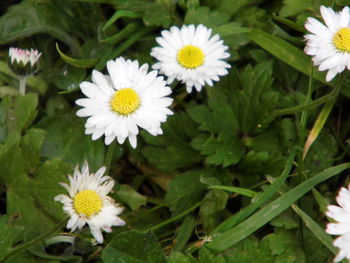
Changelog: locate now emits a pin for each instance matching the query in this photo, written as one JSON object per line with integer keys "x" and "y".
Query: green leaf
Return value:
{"x": 130, "y": 197}
{"x": 255, "y": 100}
{"x": 270, "y": 211}
{"x": 80, "y": 63}
{"x": 322, "y": 152}
{"x": 230, "y": 29}
{"x": 319, "y": 123}
{"x": 28, "y": 18}
{"x": 316, "y": 229}
{"x": 31, "y": 146}
{"x": 214, "y": 202}
{"x": 133, "y": 247}
{"x": 30, "y": 199}
{"x": 249, "y": 250}
{"x": 43, "y": 252}
{"x": 19, "y": 113}
{"x": 97, "y": 1}
{"x": 221, "y": 145}
{"x": 122, "y": 34}
{"x": 206, "y": 256}
{"x": 226, "y": 6}
{"x": 294, "y": 7}
{"x": 68, "y": 77}
{"x": 203, "y": 15}
{"x": 184, "y": 233}
{"x": 222, "y": 150}
{"x": 66, "y": 140}
{"x": 185, "y": 190}
{"x": 120, "y": 14}
{"x": 234, "y": 189}
{"x": 313, "y": 244}
{"x": 27, "y": 257}
{"x": 177, "y": 257}
{"x": 287, "y": 220}
{"x": 172, "y": 150}
{"x": 154, "y": 13}
{"x": 10, "y": 235}
{"x": 266, "y": 195}
{"x": 255, "y": 17}
{"x": 285, "y": 246}
{"x": 286, "y": 52}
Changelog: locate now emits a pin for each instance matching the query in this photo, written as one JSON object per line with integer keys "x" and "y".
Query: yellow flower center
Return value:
{"x": 125, "y": 101}
{"x": 341, "y": 39}
{"x": 190, "y": 57}
{"x": 87, "y": 202}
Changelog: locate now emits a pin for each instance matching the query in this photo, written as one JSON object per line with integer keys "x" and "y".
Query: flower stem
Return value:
{"x": 174, "y": 218}
{"x": 109, "y": 156}
{"x": 35, "y": 241}
{"x": 22, "y": 85}
{"x": 322, "y": 117}
{"x": 303, "y": 121}
{"x": 333, "y": 94}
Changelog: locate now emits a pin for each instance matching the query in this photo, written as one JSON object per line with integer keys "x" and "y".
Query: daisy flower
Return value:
{"x": 329, "y": 45}
{"x": 128, "y": 98}
{"x": 191, "y": 55}
{"x": 23, "y": 56}
{"x": 87, "y": 202}
{"x": 341, "y": 214}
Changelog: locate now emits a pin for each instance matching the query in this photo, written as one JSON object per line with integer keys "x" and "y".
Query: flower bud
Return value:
{"x": 23, "y": 62}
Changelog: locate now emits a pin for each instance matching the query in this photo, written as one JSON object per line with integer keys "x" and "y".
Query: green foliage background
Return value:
{"x": 229, "y": 165}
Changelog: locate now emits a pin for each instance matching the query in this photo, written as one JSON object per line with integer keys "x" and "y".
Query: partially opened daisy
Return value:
{"x": 329, "y": 45}
{"x": 341, "y": 214}
{"x": 87, "y": 202}
{"x": 191, "y": 55}
{"x": 128, "y": 98}
{"x": 23, "y": 61}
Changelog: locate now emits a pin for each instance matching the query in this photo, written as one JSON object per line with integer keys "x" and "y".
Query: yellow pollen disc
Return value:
{"x": 125, "y": 101}
{"x": 190, "y": 57}
{"x": 87, "y": 202}
{"x": 341, "y": 39}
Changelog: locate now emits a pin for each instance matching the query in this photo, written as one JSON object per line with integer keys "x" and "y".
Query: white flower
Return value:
{"x": 88, "y": 202}
{"x": 191, "y": 56}
{"x": 24, "y": 56}
{"x": 341, "y": 214}
{"x": 129, "y": 97}
{"x": 329, "y": 44}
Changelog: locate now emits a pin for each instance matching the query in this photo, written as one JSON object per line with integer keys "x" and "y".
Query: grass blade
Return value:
{"x": 286, "y": 52}
{"x": 234, "y": 189}
{"x": 184, "y": 233}
{"x": 120, "y": 14}
{"x": 265, "y": 215}
{"x": 243, "y": 214}
{"x": 316, "y": 229}
{"x": 317, "y": 128}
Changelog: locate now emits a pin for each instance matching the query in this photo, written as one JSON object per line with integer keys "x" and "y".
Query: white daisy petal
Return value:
{"x": 189, "y": 55}
{"x": 329, "y": 45}
{"x": 90, "y": 204}
{"x": 341, "y": 214}
{"x": 129, "y": 90}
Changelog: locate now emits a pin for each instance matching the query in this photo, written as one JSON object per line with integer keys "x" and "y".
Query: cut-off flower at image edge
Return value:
{"x": 341, "y": 214}
{"x": 87, "y": 202}
{"x": 329, "y": 45}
